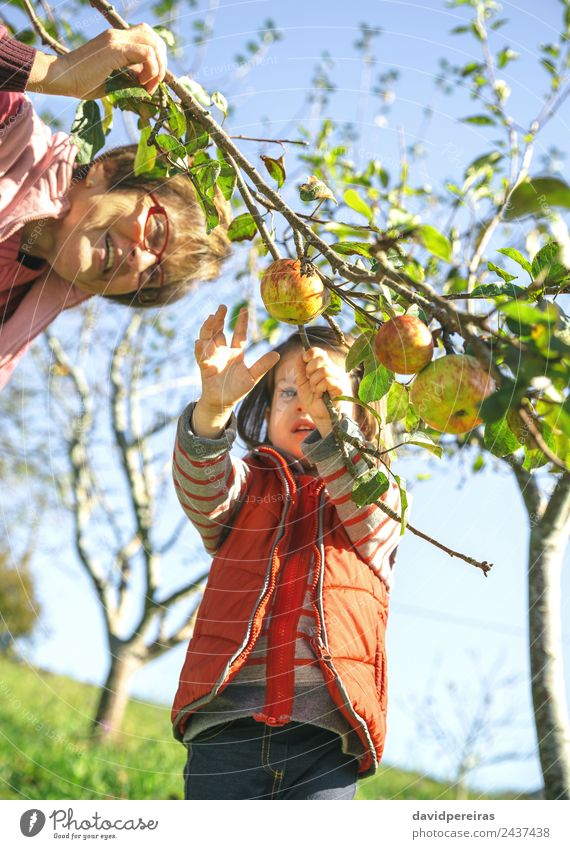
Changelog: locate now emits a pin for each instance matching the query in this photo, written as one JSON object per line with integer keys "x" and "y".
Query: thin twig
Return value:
{"x": 271, "y": 141}
{"x": 46, "y": 38}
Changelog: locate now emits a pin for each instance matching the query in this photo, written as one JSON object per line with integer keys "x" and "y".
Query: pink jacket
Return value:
{"x": 36, "y": 171}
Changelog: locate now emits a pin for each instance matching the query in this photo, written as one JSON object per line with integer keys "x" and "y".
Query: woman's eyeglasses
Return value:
{"x": 155, "y": 240}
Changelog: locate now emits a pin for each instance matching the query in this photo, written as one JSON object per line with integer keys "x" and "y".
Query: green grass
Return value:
{"x": 46, "y": 752}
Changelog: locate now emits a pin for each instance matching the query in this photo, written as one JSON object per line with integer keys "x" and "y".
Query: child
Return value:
{"x": 70, "y": 232}
{"x": 283, "y": 691}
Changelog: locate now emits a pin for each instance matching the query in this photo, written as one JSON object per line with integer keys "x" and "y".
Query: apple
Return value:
{"x": 447, "y": 394}
{"x": 404, "y": 344}
{"x": 293, "y": 292}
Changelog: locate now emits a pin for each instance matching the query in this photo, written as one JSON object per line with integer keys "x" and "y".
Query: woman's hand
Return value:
{"x": 82, "y": 73}
{"x": 316, "y": 373}
{"x": 225, "y": 377}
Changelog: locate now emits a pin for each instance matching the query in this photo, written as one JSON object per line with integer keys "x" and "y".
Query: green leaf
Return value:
{"x": 412, "y": 419}
{"x": 403, "y": 501}
{"x": 527, "y": 314}
{"x": 361, "y": 403}
{"x": 505, "y": 56}
{"x": 545, "y": 265}
{"x": 534, "y": 457}
{"x": 196, "y": 90}
{"x": 145, "y": 157}
{"x": 206, "y": 173}
{"x": 424, "y": 440}
{"x": 349, "y": 248}
{"x": 361, "y": 349}
{"x": 120, "y": 86}
{"x": 107, "y": 122}
{"x": 397, "y": 402}
{"x": 86, "y": 131}
{"x": 176, "y": 120}
{"x": 517, "y": 257}
{"x": 478, "y": 464}
{"x": 497, "y": 405}
{"x": 243, "y": 228}
{"x": 220, "y": 101}
{"x": 354, "y": 201}
{"x": 436, "y": 243}
{"x": 537, "y": 196}
{"x": 335, "y": 304}
{"x": 499, "y": 438}
{"x": 171, "y": 146}
{"x": 166, "y": 35}
{"x": 369, "y": 486}
{"x": 196, "y": 138}
{"x": 486, "y": 159}
{"x": 493, "y": 290}
{"x": 315, "y": 189}
{"x": 503, "y": 274}
{"x": 227, "y": 179}
{"x": 482, "y": 120}
{"x": 375, "y": 384}
{"x": 276, "y": 169}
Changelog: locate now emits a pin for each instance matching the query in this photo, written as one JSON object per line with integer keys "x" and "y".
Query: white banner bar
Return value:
{"x": 393, "y": 824}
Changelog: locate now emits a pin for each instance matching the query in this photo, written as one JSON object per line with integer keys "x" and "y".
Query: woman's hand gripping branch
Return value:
{"x": 82, "y": 72}
{"x": 226, "y": 379}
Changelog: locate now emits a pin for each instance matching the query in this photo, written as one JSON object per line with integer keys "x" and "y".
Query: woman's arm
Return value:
{"x": 16, "y": 60}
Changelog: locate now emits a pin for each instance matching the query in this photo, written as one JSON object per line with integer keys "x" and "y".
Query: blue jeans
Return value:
{"x": 245, "y": 759}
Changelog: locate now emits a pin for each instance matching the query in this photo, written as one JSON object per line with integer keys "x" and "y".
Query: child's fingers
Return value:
{"x": 203, "y": 350}
{"x": 301, "y": 370}
{"x": 213, "y": 324}
{"x": 263, "y": 364}
{"x": 240, "y": 330}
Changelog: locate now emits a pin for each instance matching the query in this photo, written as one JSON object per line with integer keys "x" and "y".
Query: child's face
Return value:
{"x": 288, "y": 423}
{"x": 80, "y": 245}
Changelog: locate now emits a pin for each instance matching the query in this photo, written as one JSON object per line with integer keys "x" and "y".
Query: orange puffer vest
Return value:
{"x": 350, "y": 604}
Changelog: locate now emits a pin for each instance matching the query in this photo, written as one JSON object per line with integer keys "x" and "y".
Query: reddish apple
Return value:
{"x": 404, "y": 345}
{"x": 293, "y": 292}
{"x": 447, "y": 394}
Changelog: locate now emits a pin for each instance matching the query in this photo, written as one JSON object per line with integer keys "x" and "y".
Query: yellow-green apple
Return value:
{"x": 293, "y": 292}
{"x": 404, "y": 344}
{"x": 447, "y": 394}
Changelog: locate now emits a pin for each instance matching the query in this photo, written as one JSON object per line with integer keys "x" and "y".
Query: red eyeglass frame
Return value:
{"x": 156, "y": 208}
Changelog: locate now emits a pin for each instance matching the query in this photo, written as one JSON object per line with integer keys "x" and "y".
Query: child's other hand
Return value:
{"x": 225, "y": 377}
{"x": 317, "y": 372}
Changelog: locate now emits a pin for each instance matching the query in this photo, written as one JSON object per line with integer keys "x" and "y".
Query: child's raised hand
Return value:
{"x": 225, "y": 377}
{"x": 317, "y": 373}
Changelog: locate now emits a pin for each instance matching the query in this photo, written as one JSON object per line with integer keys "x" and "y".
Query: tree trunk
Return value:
{"x": 548, "y": 540}
{"x": 115, "y": 692}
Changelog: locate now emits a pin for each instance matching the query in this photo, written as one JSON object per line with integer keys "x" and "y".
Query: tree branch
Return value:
{"x": 46, "y": 38}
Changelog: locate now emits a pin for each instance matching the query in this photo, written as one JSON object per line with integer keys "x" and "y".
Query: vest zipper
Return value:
{"x": 320, "y": 646}
{"x": 282, "y": 634}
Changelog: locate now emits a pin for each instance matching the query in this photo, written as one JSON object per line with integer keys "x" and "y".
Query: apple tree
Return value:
{"x": 491, "y": 301}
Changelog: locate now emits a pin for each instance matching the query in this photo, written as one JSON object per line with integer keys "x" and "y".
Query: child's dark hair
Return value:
{"x": 199, "y": 255}
{"x": 251, "y": 412}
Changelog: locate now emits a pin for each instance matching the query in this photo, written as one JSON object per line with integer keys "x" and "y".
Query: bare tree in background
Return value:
{"x": 464, "y": 725}
{"x": 116, "y": 487}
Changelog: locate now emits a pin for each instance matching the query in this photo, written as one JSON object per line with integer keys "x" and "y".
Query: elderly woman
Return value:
{"x": 68, "y": 232}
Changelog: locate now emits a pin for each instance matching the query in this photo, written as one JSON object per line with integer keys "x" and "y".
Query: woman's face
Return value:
{"x": 98, "y": 245}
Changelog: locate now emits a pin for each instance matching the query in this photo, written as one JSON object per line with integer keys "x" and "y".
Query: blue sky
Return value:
{"x": 448, "y": 624}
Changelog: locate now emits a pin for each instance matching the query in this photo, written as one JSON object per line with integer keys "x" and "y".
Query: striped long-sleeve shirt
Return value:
{"x": 209, "y": 483}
